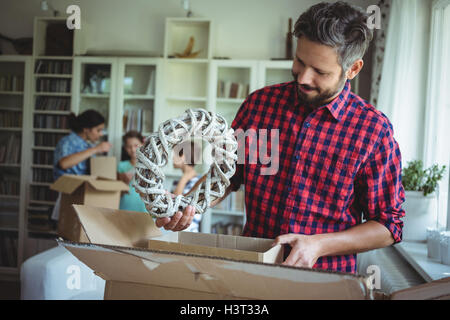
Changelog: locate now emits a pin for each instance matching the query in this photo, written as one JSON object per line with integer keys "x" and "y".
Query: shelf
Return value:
{"x": 227, "y": 212}
{"x": 10, "y": 129}
{"x": 52, "y": 75}
{"x": 186, "y": 60}
{"x": 51, "y": 112}
{"x": 95, "y": 95}
{"x": 9, "y": 270}
{"x": 7, "y": 196}
{"x": 42, "y": 166}
{"x": 51, "y": 130}
{"x": 230, "y": 100}
{"x": 51, "y": 203}
{"x": 197, "y": 99}
{"x": 9, "y": 229}
{"x": 43, "y": 148}
{"x": 41, "y": 184}
{"x": 53, "y": 94}
{"x": 11, "y": 92}
{"x": 10, "y": 165}
{"x": 53, "y": 57}
{"x": 10, "y": 109}
{"x": 138, "y": 97}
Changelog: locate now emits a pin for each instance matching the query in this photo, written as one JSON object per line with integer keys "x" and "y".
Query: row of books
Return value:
{"x": 53, "y": 67}
{"x": 52, "y": 104}
{"x": 46, "y": 121}
{"x": 10, "y": 119}
{"x": 9, "y": 184}
{"x": 8, "y": 249}
{"x": 228, "y": 89}
{"x": 43, "y": 139}
{"x": 42, "y": 175}
{"x": 39, "y": 218}
{"x": 234, "y": 229}
{"x": 11, "y": 82}
{"x": 43, "y": 193}
{"x": 53, "y": 85}
{"x": 43, "y": 157}
{"x": 10, "y": 153}
{"x": 140, "y": 120}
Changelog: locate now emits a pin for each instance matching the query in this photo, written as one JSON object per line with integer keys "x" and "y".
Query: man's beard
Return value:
{"x": 323, "y": 97}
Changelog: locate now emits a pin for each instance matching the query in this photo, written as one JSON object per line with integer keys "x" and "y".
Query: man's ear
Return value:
{"x": 355, "y": 69}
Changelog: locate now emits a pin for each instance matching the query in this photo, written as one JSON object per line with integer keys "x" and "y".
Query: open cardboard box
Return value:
{"x": 97, "y": 189}
{"x": 126, "y": 249}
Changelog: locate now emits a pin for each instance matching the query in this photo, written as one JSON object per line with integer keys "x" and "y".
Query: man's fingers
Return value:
{"x": 292, "y": 259}
{"x": 173, "y": 221}
{"x": 186, "y": 219}
{"x": 285, "y": 238}
{"x": 162, "y": 221}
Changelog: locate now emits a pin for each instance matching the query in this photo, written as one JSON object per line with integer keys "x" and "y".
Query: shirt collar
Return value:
{"x": 336, "y": 107}
{"x": 75, "y": 136}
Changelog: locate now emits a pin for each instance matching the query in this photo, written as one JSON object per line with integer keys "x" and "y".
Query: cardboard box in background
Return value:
{"x": 118, "y": 252}
{"x": 104, "y": 167}
{"x": 87, "y": 189}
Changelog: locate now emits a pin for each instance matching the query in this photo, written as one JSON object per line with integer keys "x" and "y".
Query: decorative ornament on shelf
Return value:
{"x": 154, "y": 154}
{"x": 289, "y": 37}
{"x": 188, "y": 51}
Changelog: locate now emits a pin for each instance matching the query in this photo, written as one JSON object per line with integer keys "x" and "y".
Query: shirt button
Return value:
{"x": 289, "y": 189}
{"x": 307, "y": 124}
{"x": 297, "y": 157}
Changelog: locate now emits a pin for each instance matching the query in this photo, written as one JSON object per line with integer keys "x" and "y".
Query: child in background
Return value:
{"x": 184, "y": 157}
{"x": 130, "y": 201}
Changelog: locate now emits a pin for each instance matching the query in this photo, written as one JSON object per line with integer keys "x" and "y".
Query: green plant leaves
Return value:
{"x": 416, "y": 178}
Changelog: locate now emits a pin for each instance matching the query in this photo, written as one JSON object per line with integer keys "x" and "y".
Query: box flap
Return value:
{"x": 208, "y": 274}
{"x": 68, "y": 183}
{"x": 104, "y": 167}
{"x": 116, "y": 227}
{"x": 108, "y": 185}
{"x": 439, "y": 289}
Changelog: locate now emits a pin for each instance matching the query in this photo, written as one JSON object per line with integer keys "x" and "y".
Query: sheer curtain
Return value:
{"x": 402, "y": 93}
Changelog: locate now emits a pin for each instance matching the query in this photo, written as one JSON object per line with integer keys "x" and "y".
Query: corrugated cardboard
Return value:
{"x": 218, "y": 245}
{"x": 104, "y": 167}
{"x": 117, "y": 252}
{"x": 79, "y": 189}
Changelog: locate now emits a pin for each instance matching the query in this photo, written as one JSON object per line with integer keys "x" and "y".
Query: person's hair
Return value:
{"x": 88, "y": 119}
{"x": 132, "y": 134}
{"x": 338, "y": 25}
{"x": 193, "y": 151}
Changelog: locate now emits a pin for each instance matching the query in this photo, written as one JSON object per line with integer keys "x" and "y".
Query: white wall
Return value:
{"x": 248, "y": 29}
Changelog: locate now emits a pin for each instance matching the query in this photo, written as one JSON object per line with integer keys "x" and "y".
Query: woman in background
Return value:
{"x": 131, "y": 201}
{"x": 73, "y": 151}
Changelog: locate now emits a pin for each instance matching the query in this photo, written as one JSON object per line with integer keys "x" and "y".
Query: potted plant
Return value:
{"x": 421, "y": 199}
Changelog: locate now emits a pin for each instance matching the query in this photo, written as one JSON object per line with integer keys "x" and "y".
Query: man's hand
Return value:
{"x": 179, "y": 221}
{"x": 305, "y": 249}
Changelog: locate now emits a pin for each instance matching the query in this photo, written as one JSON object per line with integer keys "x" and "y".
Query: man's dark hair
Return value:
{"x": 338, "y": 25}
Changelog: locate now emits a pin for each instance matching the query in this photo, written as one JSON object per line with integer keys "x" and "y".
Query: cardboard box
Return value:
{"x": 104, "y": 167}
{"x": 81, "y": 189}
{"x": 118, "y": 252}
{"x": 219, "y": 245}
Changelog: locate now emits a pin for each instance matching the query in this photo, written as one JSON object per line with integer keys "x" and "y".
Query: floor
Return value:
{"x": 9, "y": 290}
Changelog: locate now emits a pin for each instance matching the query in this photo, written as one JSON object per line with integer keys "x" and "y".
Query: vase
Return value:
{"x": 420, "y": 213}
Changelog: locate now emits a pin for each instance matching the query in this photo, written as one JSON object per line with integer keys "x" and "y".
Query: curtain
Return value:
{"x": 379, "y": 48}
{"x": 404, "y": 73}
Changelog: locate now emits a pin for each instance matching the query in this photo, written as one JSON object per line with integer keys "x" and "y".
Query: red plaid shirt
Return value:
{"x": 337, "y": 164}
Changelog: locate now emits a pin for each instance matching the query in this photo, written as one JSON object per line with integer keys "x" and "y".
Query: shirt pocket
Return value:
{"x": 329, "y": 181}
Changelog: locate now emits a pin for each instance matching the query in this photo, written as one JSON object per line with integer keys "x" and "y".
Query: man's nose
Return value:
{"x": 305, "y": 76}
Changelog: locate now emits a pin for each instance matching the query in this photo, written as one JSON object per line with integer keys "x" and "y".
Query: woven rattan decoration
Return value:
{"x": 154, "y": 154}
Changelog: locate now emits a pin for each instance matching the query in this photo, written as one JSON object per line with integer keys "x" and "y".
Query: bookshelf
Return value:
{"x": 49, "y": 85}
{"x": 51, "y": 89}
{"x": 14, "y": 98}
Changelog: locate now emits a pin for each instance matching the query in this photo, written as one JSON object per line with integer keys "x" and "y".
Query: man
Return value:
{"x": 337, "y": 154}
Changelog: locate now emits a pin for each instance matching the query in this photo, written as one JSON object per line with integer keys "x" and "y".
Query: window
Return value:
{"x": 437, "y": 130}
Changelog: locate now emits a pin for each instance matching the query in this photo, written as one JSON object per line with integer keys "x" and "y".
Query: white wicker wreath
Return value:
{"x": 153, "y": 156}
